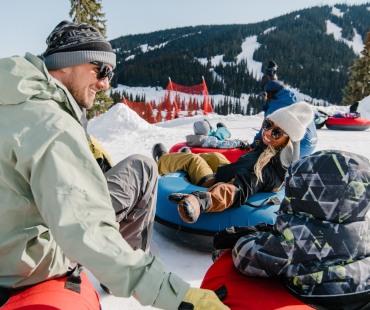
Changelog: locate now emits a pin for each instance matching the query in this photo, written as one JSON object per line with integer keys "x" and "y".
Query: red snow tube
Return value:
{"x": 252, "y": 293}
{"x": 231, "y": 154}
{"x": 51, "y": 295}
{"x": 347, "y": 123}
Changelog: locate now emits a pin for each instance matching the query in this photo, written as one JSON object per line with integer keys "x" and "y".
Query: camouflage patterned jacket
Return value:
{"x": 320, "y": 243}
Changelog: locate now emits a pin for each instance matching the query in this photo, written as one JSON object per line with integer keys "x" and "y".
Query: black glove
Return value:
{"x": 227, "y": 238}
{"x": 254, "y": 144}
{"x": 244, "y": 145}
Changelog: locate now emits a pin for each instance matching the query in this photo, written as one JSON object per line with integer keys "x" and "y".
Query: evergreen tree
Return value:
{"x": 88, "y": 11}
{"x": 116, "y": 96}
{"x": 358, "y": 85}
{"x": 101, "y": 104}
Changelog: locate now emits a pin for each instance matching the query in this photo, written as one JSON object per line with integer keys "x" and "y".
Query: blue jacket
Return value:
{"x": 284, "y": 98}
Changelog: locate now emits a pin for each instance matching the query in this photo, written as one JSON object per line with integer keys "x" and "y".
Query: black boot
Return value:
{"x": 184, "y": 149}
{"x": 221, "y": 125}
{"x": 158, "y": 150}
{"x": 176, "y": 197}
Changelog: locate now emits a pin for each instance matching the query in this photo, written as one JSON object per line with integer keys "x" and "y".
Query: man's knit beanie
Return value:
{"x": 71, "y": 44}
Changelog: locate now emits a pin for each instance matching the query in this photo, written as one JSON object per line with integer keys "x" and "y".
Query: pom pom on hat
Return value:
{"x": 273, "y": 86}
{"x": 201, "y": 128}
{"x": 293, "y": 119}
{"x": 71, "y": 44}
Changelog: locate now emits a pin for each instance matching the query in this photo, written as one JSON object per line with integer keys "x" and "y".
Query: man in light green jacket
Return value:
{"x": 55, "y": 202}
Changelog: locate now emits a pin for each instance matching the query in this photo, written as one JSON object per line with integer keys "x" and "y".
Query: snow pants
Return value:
{"x": 197, "y": 166}
{"x": 133, "y": 186}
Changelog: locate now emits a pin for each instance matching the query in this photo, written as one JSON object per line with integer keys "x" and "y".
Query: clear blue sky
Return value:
{"x": 25, "y": 24}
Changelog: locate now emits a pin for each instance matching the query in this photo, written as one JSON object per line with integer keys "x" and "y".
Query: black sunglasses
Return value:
{"x": 104, "y": 71}
{"x": 276, "y": 132}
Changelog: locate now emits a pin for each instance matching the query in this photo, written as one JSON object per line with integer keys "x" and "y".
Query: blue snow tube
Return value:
{"x": 200, "y": 234}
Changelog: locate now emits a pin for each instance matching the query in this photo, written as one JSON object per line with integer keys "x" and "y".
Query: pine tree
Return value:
{"x": 358, "y": 85}
{"x": 101, "y": 104}
{"x": 88, "y": 11}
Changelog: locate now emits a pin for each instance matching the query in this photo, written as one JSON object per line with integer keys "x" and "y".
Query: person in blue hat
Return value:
{"x": 270, "y": 74}
{"x": 277, "y": 96}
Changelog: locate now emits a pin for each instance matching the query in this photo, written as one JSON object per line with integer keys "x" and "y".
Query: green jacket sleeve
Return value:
{"x": 72, "y": 197}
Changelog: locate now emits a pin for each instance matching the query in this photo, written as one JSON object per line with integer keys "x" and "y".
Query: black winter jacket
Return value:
{"x": 242, "y": 170}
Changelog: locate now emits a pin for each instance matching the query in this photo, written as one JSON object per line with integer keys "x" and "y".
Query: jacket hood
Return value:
{"x": 285, "y": 96}
{"x": 330, "y": 185}
{"x": 26, "y": 78}
{"x": 195, "y": 140}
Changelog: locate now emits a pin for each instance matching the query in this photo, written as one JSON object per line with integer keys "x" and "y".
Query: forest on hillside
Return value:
{"x": 309, "y": 59}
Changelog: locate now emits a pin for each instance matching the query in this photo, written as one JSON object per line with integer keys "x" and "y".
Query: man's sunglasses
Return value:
{"x": 104, "y": 71}
{"x": 276, "y": 132}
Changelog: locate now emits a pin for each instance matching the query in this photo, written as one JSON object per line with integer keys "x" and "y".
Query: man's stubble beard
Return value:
{"x": 77, "y": 92}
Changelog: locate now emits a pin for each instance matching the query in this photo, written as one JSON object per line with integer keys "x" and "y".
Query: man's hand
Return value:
{"x": 200, "y": 299}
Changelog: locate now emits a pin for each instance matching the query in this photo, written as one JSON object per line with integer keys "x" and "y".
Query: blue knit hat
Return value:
{"x": 273, "y": 86}
{"x": 71, "y": 44}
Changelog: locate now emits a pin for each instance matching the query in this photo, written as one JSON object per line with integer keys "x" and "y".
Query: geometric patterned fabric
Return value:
{"x": 320, "y": 242}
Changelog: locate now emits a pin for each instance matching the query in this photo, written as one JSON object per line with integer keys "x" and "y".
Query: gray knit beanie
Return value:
{"x": 71, "y": 44}
{"x": 201, "y": 128}
{"x": 294, "y": 120}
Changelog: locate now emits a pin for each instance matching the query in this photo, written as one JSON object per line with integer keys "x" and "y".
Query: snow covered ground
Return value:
{"x": 123, "y": 133}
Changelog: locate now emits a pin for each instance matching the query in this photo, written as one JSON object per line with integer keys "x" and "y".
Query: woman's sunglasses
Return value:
{"x": 276, "y": 132}
{"x": 104, "y": 71}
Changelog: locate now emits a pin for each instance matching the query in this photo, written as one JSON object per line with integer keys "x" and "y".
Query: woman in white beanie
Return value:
{"x": 260, "y": 170}
{"x": 277, "y": 96}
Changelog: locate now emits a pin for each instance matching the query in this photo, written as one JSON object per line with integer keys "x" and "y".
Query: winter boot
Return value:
{"x": 191, "y": 206}
{"x": 220, "y": 125}
{"x": 184, "y": 149}
{"x": 176, "y": 197}
{"x": 158, "y": 150}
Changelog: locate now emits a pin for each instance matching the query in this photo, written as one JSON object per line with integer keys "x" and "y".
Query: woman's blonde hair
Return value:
{"x": 264, "y": 159}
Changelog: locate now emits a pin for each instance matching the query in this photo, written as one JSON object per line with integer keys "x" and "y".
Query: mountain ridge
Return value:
{"x": 309, "y": 57}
